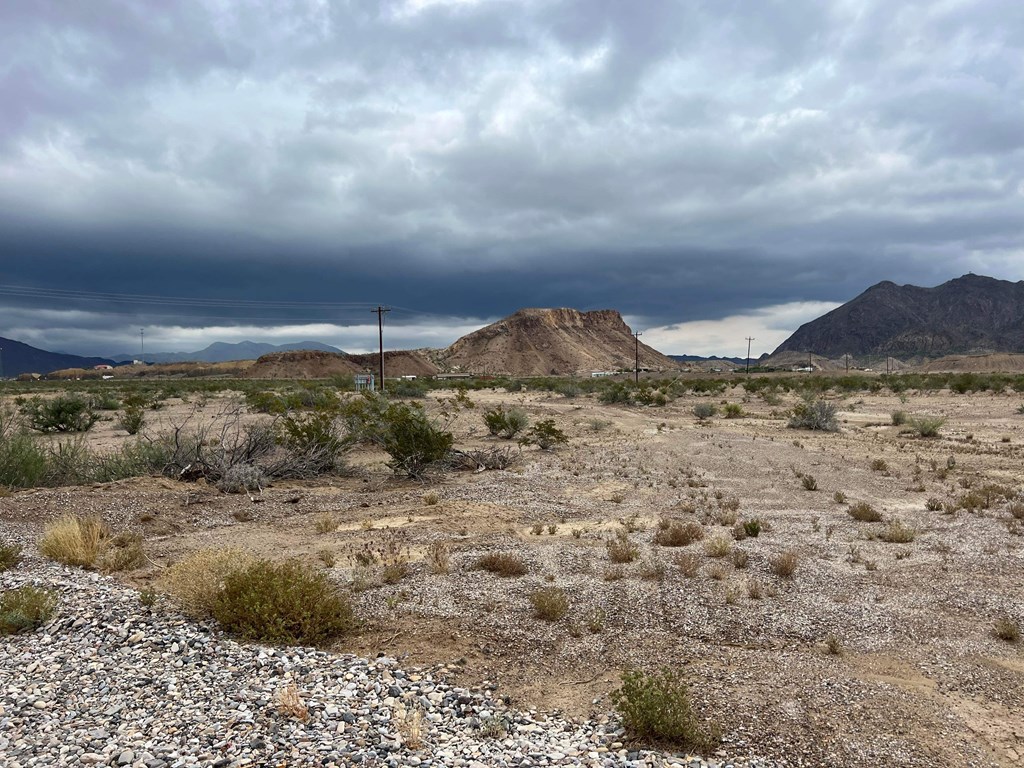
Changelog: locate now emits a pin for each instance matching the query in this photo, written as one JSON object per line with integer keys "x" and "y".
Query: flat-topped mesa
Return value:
{"x": 551, "y": 342}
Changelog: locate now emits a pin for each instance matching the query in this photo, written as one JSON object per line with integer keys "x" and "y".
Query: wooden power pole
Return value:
{"x": 381, "y": 311}
{"x": 749, "y": 339}
{"x": 636, "y": 352}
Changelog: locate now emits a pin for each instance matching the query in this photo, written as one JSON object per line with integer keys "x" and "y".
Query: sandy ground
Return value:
{"x": 919, "y": 680}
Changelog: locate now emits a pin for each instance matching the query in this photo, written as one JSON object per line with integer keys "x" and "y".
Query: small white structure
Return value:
{"x": 601, "y": 374}
{"x": 365, "y": 381}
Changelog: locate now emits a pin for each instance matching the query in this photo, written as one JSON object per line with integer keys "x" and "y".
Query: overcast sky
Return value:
{"x": 713, "y": 170}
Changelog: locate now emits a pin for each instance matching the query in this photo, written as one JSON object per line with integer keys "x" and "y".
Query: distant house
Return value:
{"x": 103, "y": 367}
{"x": 447, "y": 376}
{"x": 601, "y": 374}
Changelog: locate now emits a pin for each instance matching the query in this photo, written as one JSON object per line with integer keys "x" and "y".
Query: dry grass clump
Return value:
{"x": 502, "y": 564}
{"x": 290, "y": 703}
{"x": 864, "y": 512}
{"x": 834, "y": 645}
{"x": 784, "y": 564}
{"x": 326, "y": 523}
{"x": 194, "y": 581}
{"x": 717, "y": 546}
{"x": 740, "y": 558}
{"x": 549, "y": 603}
{"x": 675, "y": 533}
{"x": 10, "y": 556}
{"x": 688, "y": 563}
{"x": 621, "y": 549}
{"x": 809, "y": 483}
{"x": 897, "y": 533}
{"x": 438, "y": 557}
{"x": 75, "y": 540}
{"x": 1007, "y": 629}
{"x": 879, "y": 465}
{"x": 431, "y": 499}
{"x": 124, "y": 553}
{"x": 754, "y": 591}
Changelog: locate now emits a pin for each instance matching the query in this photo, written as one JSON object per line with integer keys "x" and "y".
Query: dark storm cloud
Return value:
{"x": 678, "y": 161}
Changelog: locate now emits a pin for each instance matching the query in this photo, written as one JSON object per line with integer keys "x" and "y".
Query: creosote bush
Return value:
{"x": 545, "y": 435}
{"x": 704, "y": 411}
{"x": 502, "y": 564}
{"x": 925, "y": 426}
{"x": 132, "y": 419}
{"x": 65, "y": 413}
{"x": 194, "y": 581}
{"x": 549, "y": 603}
{"x": 656, "y": 708}
{"x": 897, "y": 533}
{"x": 505, "y": 424}
{"x": 287, "y": 603}
{"x": 621, "y": 549}
{"x": 25, "y": 608}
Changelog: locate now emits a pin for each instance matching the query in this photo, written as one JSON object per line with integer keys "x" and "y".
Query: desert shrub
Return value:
{"x": 502, "y": 564}
{"x": 132, "y": 419}
{"x": 549, "y": 603}
{"x": 10, "y": 556}
{"x": 23, "y": 461}
{"x": 616, "y": 394}
{"x": 717, "y": 546}
{"x": 925, "y": 426}
{"x": 285, "y": 603}
{"x": 688, "y": 563}
{"x": 484, "y": 458}
{"x": 25, "y": 608}
{"x": 505, "y": 424}
{"x": 621, "y": 549}
{"x": 405, "y": 433}
{"x": 1006, "y": 629}
{"x": 864, "y": 512}
{"x": 740, "y": 558}
{"x": 65, "y": 413}
{"x": 933, "y": 504}
{"x": 704, "y": 411}
{"x": 899, "y": 418}
{"x": 314, "y": 441}
{"x": 784, "y": 564}
{"x": 897, "y": 533}
{"x": 545, "y": 435}
{"x": 438, "y": 557}
{"x": 809, "y": 483}
{"x": 733, "y": 411}
{"x": 879, "y": 465}
{"x": 194, "y": 581}
{"x": 242, "y": 478}
{"x": 75, "y": 540}
{"x": 656, "y": 708}
{"x": 674, "y": 533}
{"x": 752, "y": 527}
{"x": 816, "y": 415}
{"x": 839, "y": 497}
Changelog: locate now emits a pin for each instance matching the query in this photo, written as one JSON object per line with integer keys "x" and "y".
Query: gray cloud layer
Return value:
{"x": 676, "y": 160}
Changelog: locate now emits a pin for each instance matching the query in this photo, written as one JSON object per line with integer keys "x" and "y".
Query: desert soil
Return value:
{"x": 918, "y": 677}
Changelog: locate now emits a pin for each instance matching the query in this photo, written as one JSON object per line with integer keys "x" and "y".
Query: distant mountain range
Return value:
{"x": 712, "y": 359}
{"x": 17, "y": 358}
{"x": 222, "y": 352}
{"x": 971, "y": 314}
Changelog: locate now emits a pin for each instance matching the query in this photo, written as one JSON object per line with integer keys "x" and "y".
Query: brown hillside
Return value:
{"x": 995, "y": 363}
{"x": 313, "y": 364}
{"x": 184, "y": 370}
{"x": 543, "y": 342}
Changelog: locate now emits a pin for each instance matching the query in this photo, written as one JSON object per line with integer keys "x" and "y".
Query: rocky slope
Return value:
{"x": 970, "y": 314}
{"x": 311, "y": 364}
{"x": 543, "y": 342}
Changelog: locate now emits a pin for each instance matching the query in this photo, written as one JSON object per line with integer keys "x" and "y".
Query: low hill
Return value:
{"x": 17, "y": 357}
{"x": 232, "y": 369}
{"x": 547, "y": 342}
{"x": 995, "y": 363}
{"x": 310, "y": 364}
{"x": 223, "y": 352}
{"x": 971, "y": 314}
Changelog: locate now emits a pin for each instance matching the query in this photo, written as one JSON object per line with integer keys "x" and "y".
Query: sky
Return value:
{"x": 713, "y": 169}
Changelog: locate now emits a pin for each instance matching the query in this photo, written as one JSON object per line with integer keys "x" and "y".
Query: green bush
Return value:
{"x": 66, "y": 413}
{"x": 733, "y": 411}
{"x": 704, "y": 410}
{"x": 656, "y": 708}
{"x": 23, "y": 462}
{"x": 315, "y": 439}
{"x": 864, "y": 512}
{"x": 545, "y": 435}
{"x": 549, "y": 603}
{"x": 505, "y": 424}
{"x": 899, "y": 418}
{"x": 25, "y": 608}
{"x": 752, "y": 527}
{"x": 132, "y": 419}
{"x": 286, "y": 603}
{"x": 816, "y": 415}
{"x": 926, "y": 426}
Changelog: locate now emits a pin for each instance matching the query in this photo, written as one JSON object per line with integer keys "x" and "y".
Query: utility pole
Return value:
{"x": 847, "y": 358}
{"x": 1, "y": 362}
{"x": 809, "y": 363}
{"x": 381, "y": 311}
{"x": 749, "y": 339}
{"x": 636, "y": 365}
